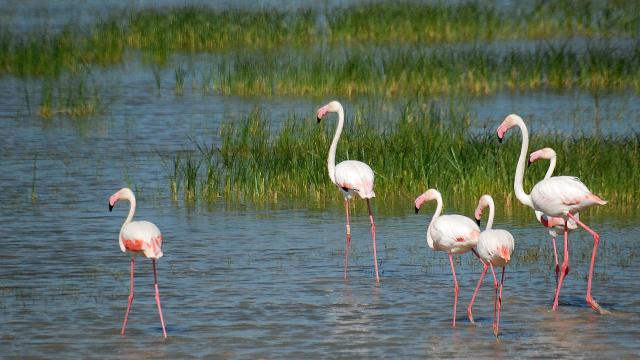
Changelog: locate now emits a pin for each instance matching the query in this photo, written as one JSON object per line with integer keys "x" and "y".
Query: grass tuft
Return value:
{"x": 428, "y": 146}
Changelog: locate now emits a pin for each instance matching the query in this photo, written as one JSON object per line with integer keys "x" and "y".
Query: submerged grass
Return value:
{"x": 426, "y": 147}
{"x": 73, "y": 95}
{"x": 159, "y": 33}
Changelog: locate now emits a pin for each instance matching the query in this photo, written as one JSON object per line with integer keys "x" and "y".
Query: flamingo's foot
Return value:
{"x": 470, "y": 314}
{"x": 595, "y": 306}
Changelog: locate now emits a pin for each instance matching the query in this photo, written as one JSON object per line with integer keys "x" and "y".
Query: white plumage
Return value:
{"x": 455, "y": 234}
{"x": 490, "y": 244}
{"x": 558, "y": 196}
{"x": 351, "y": 177}
{"x": 356, "y": 177}
{"x": 138, "y": 238}
{"x": 144, "y": 232}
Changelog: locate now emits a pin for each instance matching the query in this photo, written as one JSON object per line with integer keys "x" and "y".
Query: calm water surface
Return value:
{"x": 238, "y": 281}
{"x": 242, "y": 282}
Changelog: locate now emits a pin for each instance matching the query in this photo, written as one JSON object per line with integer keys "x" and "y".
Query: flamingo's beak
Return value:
{"x": 499, "y": 139}
{"x": 417, "y": 209}
{"x": 528, "y": 162}
{"x": 478, "y": 222}
{"x": 110, "y": 207}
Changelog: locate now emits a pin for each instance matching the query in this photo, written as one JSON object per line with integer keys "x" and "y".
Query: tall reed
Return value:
{"x": 428, "y": 146}
{"x": 158, "y": 33}
{"x": 73, "y": 95}
{"x": 411, "y": 71}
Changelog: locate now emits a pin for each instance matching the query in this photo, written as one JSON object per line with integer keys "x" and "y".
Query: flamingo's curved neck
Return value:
{"x": 436, "y": 214}
{"x": 492, "y": 212}
{"x": 331, "y": 160}
{"x": 552, "y": 166}
{"x": 524, "y": 198}
{"x": 132, "y": 210}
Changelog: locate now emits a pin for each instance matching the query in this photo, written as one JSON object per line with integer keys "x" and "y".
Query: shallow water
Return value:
{"x": 244, "y": 282}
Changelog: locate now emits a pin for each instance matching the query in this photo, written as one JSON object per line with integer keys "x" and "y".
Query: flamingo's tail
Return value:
{"x": 596, "y": 199}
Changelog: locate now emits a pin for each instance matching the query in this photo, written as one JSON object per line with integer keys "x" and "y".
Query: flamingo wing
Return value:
{"x": 142, "y": 236}
{"x": 455, "y": 233}
{"x": 355, "y": 176}
{"x": 558, "y": 195}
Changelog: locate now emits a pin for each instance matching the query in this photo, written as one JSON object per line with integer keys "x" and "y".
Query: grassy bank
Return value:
{"x": 161, "y": 32}
{"x": 425, "y": 147}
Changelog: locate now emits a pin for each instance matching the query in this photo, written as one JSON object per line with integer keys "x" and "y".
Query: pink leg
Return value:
{"x": 596, "y": 239}
{"x": 155, "y": 284}
{"x": 565, "y": 266}
{"x": 126, "y": 315}
{"x": 455, "y": 290}
{"x": 555, "y": 256}
{"x": 348, "y": 242}
{"x": 373, "y": 235}
{"x": 499, "y": 306}
{"x": 473, "y": 298}
{"x": 495, "y": 296}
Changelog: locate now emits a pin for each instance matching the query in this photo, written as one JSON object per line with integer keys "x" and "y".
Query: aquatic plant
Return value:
{"x": 74, "y": 95}
{"x": 426, "y": 146}
{"x": 412, "y": 22}
{"x": 411, "y": 71}
{"x": 158, "y": 33}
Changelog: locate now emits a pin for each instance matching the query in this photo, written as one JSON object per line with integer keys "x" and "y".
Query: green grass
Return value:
{"x": 426, "y": 147}
{"x": 158, "y": 33}
{"x": 72, "y": 95}
{"x": 410, "y": 22}
{"x": 412, "y": 71}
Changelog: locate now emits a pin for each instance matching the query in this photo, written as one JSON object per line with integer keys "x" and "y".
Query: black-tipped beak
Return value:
{"x": 319, "y": 119}
{"x": 478, "y": 222}
{"x": 417, "y": 209}
{"x": 110, "y": 207}
{"x": 499, "y": 139}
{"x": 528, "y": 162}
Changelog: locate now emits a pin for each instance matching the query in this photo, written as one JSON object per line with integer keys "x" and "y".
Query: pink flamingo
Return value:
{"x": 555, "y": 224}
{"x": 138, "y": 238}
{"x": 494, "y": 248}
{"x": 455, "y": 234}
{"x": 557, "y": 196}
{"x": 351, "y": 177}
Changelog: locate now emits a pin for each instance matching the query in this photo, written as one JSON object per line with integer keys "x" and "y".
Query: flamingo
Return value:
{"x": 138, "y": 238}
{"x": 495, "y": 247}
{"x": 555, "y": 224}
{"x": 351, "y": 177}
{"x": 557, "y": 196}
{"x": 455, "y": 234}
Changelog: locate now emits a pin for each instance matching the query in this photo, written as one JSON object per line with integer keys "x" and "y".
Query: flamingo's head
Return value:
{"x": 504, "y": 253}
{"x": 484, "y": 201}
{"x": 333, "y": 106}
{"x": 122, "y": 194}
{"x": 429, "y": 195}
{"x": 544, "y": 153}
{"x": 509, "y": 122}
